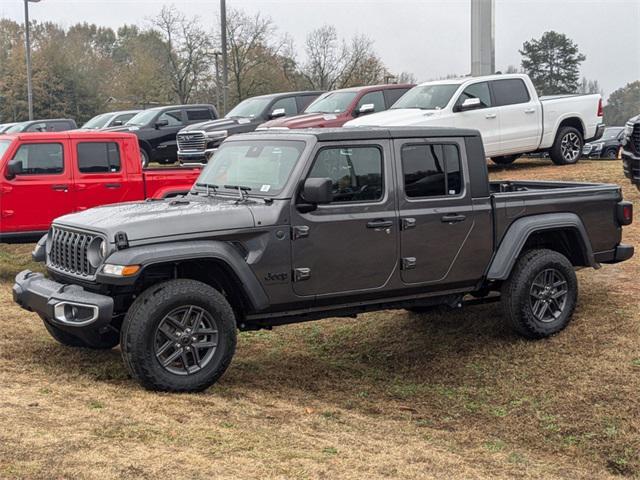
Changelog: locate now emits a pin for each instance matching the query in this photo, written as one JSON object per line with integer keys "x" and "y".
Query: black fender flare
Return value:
{"x": 519, "y": 232}
{"x": 148, "y": 255}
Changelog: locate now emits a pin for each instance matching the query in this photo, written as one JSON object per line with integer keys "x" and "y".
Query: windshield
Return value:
{"x": 4, "y": 144}
{"x": 332, "y": 102}
{"x": 610, "y": 133}
{"x": 142, "y": 118}
{"x": 427, "y": 97}
{"x": 98, "y": 121}
{"x": 16, "y": 128}
{"x": 250, "y": 108}
{"x": 262, "y": 165}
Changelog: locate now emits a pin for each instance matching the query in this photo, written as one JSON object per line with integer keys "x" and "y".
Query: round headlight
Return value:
{"x": 97, "y": 252}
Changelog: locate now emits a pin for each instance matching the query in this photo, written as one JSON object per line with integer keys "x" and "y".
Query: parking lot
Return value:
{"x": 387, "y": 395}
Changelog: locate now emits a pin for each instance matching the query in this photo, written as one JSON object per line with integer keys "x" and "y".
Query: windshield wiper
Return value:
{"x": 208, "y": 186}
{"x": 242, "y": 190}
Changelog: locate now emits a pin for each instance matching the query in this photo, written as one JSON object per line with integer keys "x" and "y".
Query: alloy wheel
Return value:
{"x": 570, "y": 147}
{"x": 548, "y": 295}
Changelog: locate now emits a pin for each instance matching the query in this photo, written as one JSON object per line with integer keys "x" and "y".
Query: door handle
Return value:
{"x": 60, "y": 188}
{"x": 490, "y": 116}
{"x": 112, "y": 185}
{"x": 530, "y": 110}
{"x": 380, "y": 224}
{"x": 453, "y": 218}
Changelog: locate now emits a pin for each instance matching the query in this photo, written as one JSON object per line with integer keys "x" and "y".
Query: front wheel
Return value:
{"x": 567, "y": 147}
{"x": 505, "y": 160}
{"x": 144, "y": 158}
{"x": 178, "y": 336}
{"x": 539, "y": 297}
{"x": 610, "y": 153}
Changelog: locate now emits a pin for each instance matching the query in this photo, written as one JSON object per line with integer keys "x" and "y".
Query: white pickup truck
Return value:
{"x": 506, "y": 110}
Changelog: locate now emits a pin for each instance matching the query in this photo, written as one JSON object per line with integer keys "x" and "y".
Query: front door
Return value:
{"x": 349, "y": 245}
{"x": 486, "y": 119}
{"x": 166, "y": 143}
{"x": 32, "y": 199}
{"x": 436, "y": 213}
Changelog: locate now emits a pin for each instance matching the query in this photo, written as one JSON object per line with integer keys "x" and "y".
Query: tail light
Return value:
{"x": 625, "y": 213}
{"x": 600, "y": 109}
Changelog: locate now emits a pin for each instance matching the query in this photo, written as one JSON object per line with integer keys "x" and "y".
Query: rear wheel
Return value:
{"x": 144, "y": 158}
{"x": 505, "y": 160}
{"x": 540, "y": 295}
{"x": 610, "y": 153}
{"x": 567, "y": 147}
{"x": 179, "y": 335}
{"x": 105, "y": 342}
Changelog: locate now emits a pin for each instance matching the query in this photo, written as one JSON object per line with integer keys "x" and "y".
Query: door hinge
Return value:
{"x": 299, "y": 231}
{"x": 408, "y": 223}
{"x": 301, "y": 274}
{"x": 408, "y": 263}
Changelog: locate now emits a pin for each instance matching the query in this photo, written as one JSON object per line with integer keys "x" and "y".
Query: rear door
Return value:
{"x": 98, "y": 173}
{"x": 349, "y": 245}
{"x": 42, "y": 192}
{"x": 436, "y": 212}
{"x": 486, "y": 119}
{"x": 520, "y": 116}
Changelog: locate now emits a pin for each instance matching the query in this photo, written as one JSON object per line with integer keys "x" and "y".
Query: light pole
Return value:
{"x": 217, "y": 54}
{"x": 225, "y": 60}
{"x": 28, "y": 55}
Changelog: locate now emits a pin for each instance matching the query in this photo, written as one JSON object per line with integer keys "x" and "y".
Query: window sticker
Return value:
{"x": 265, "y": 188}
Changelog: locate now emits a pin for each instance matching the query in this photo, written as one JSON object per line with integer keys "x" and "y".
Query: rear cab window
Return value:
{"x": 431, "y": 170}
{"x": 40, "y": 158}
{"x": 199, "y": 115}
{"x": 510, "y": 91}
{"x": 98, "y": 157}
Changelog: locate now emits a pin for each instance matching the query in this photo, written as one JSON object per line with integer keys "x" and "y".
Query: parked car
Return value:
{"x": 284, "y": 227}
{"x": 46, "y": 175}
{"x": 631, "y": 150}
{"x": 5, "y": 126}
{"x": 607, "y": 147}
{"x": 335, "y": 108}
{"x": 110, "y": 119}
{"x": 48, "y": 125}
{"x": 507, "y": 112}
{"x": 196, "y": 143}
{"x": 156, "y": 129}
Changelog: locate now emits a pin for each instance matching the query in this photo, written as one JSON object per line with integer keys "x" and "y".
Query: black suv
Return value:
{"x": 156, "y": 129}
{"x": 47, "y": 125}
{"x": 197, "y": 142}
{"x": 631, "y": 150}
{"x": 283, "y": 227}
{"x": 607, "y": 146}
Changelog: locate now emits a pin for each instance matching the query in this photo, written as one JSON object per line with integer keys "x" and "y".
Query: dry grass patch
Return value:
{"x": 387, "y": 395}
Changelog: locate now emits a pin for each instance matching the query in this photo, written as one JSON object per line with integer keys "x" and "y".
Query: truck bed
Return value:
{"x": 159, "y": 182}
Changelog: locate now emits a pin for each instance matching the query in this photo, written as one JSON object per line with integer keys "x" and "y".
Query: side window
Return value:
{"x": 124, "y": 118}
{"x": 174, "y": 117}
{"x": 375, "y": 98}
{"x": 477, "y": 90}
{"x": 431, "y": 170}
{"x": 199, "y": 115}
{"x": 40, "y": 158}
{"x": 510, "y": 91}
{"x": 98, "y": 157}
{"x": 393, "y": 95}
{"x": 304, "y": 101}
{"x": 289, "y": 105}
{"x": 356, "y": 172}
{"x": 37, "y": 127}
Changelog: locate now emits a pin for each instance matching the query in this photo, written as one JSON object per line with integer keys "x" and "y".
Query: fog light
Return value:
{"x": 75, "y": 313}
{"x": 120, "y": 270}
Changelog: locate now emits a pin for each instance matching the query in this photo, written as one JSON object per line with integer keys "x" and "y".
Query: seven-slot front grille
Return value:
{"x": 191, "y": 142}
{"x": 69, "y": 252}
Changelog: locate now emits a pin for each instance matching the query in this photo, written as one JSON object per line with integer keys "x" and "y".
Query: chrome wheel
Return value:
{"x": 186, "y": 340}
{"x": 548, "y": 295}
{"x": 570, "y": 147}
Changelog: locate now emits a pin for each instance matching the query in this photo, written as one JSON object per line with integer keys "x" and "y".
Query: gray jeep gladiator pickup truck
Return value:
{"x": 284, "y": 227}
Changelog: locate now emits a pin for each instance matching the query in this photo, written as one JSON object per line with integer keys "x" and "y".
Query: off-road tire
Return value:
{"x": 106, "y": 342}
{"x": 505, "y": 160}
{"x": 138, "y": 332}
{"x": 516, "y": 291}
{"x": 556, "y": 150}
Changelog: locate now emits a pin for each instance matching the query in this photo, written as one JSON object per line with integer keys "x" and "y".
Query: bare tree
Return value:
{"x": 189, "y": 50}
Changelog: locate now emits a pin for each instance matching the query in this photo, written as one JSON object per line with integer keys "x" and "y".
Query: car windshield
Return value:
{"x": 16, "y": 128}
{"x": 4, "y": 144}
{"x": 98, "y": 121}
{"x": 250, "y": 108}
{"x": 427, "y": 97}
{"x": 142, "y": 118}
{"x": 263, "y": 166}
{"x": 610, "y": 133}
{"x": 332, "y": 102}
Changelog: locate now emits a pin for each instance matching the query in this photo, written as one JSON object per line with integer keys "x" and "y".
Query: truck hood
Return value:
{"x": 221, "y": 124}
{"x": 151, "y": 219}
{"x": 307, "y": 120}
{"x": 396, "y": 117}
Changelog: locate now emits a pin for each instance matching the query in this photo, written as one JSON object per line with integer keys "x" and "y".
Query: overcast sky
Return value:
{"x": 429, "y": 38}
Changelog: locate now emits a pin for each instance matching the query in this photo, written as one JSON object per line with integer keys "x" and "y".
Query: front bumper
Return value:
{"x": 631, "y": 165}
{"x": 68, "y": 306}
{"x": 202, "y": 156}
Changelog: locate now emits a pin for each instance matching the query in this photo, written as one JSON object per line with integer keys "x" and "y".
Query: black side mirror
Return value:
{"x": 162, "y": 123}
{"x": 14, "y": 167}
{"x": 315, "y": 191}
